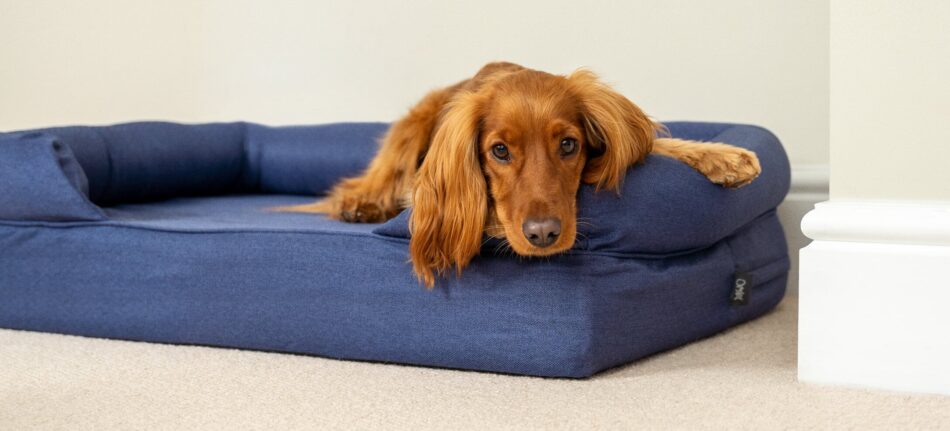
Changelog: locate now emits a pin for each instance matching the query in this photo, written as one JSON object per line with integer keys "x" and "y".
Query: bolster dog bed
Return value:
{"x": 160, "y": 232}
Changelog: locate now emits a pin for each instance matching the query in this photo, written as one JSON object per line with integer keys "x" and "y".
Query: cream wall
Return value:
{"x": 890, "y": 100}
{"x": 101, "y": 61}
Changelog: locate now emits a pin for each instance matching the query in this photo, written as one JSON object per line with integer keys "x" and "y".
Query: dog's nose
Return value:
{"x": 541, "y": 233}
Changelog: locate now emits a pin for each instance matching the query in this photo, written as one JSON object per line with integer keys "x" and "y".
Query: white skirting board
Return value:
{"x": 809, "y": 186}
{"x": 874, "y": 296}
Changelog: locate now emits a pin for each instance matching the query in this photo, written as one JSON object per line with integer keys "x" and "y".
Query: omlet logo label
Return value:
{"x": 740, "y": 289}
{"x": 738, "y": 293}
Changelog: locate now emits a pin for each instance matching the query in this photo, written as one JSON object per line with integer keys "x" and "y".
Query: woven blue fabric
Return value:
{"x": 41, "y": 180}
{"x": 159, "y": 232}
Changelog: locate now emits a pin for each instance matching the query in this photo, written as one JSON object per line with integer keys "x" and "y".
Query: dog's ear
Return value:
{"x": 618, "y": 133}
{"x": 450, "y": 196}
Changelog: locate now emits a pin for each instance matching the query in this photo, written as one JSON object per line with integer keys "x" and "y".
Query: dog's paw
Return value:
{"x": 357, "y": 209}
{"x": 355, "y": 205}
{"x": 730, "y": 166}
{"x": 354, "y": 200}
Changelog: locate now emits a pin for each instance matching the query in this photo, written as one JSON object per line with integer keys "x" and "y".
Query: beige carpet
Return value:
{"x": 743, "y": 379}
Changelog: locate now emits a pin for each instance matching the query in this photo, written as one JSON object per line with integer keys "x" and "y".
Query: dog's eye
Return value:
{"x": 500, "y": 151}
{"x": 568, "y": 146}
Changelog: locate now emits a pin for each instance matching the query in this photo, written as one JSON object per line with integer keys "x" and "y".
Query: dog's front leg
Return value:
{"x": 382, "y": 191}
{"x": 723, "y": 164}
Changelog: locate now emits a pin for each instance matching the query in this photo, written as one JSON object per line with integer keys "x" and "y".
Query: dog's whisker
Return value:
{"x": 506, "y": 249}
{"x": 500, "y": 247}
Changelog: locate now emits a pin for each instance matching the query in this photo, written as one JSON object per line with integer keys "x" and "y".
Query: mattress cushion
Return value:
{"x": 218, "y": 271}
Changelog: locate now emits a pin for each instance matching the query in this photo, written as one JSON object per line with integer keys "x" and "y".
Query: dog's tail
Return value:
{"x": 318, "y": 207}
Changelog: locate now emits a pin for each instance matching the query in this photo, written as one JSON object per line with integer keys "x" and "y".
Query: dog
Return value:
{"x": 503, "y": 154}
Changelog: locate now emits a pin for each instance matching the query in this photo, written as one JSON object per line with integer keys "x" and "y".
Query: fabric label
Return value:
{"x": 741, "y": 288}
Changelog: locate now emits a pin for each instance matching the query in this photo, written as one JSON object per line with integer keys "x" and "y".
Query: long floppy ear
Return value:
{"x": 450, "y": 197}
{"x": 618, "y": 132}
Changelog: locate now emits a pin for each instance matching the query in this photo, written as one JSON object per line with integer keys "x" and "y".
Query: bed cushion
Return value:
{"x": 195, "y": 258}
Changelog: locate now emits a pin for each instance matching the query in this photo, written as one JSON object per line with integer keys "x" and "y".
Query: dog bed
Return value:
{"x": 160, "y": 232}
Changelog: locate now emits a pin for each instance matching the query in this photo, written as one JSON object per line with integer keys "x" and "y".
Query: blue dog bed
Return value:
{"x": 159, "y": 232}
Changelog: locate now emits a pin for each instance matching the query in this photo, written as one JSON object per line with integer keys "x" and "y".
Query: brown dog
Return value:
{"x": 503, "y": 154}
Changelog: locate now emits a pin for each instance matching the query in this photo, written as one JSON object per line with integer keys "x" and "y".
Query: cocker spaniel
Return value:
{"x": 503, "y": 153}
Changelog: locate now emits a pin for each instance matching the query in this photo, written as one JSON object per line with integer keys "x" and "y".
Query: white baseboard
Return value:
{"x": 874, "y": 296}
{"x": 809, "y": 186}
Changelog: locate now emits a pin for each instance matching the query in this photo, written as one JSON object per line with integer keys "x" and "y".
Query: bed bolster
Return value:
{"x": 40, "y": 180}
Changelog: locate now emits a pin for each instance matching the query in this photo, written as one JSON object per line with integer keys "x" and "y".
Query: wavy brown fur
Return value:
{"x": 438, "y": 158}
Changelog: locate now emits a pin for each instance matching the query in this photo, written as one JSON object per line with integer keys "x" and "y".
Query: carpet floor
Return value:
{"x": 741, "y": 379}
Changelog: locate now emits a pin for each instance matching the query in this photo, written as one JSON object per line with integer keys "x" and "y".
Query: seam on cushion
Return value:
{"x": 622, "y": 255}
{"x": 726, "y": 126}
{"x": 111, "y": 224}
{"x": 678, "y": 253}
{"x": 114, "y": 224}
{"x": 716, "y": 138}
{"x": 259, "y": 160}
{"x": 740, "y": 231}
{"x": 735, "y": 126}
{"x": 242, "y": 183}
{"x": 591, "y": 362}
{"x": 251, "y": 159}
{"x": 107, "y": 190}
{"x": 784, "y": 261}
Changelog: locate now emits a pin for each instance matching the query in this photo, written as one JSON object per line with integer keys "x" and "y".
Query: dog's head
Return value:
{"x": 508, "y": 157}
